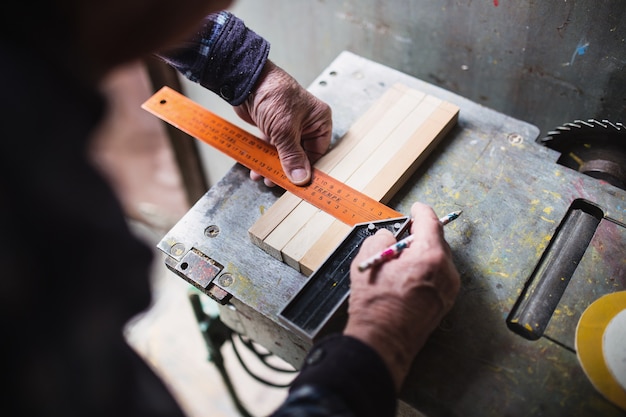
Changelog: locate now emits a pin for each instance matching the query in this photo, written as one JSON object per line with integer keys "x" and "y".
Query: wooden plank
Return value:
{"x": 289, "y": 227}
{"x": 367, "y": 170}
{"x": 437, "y": 127}
{"x": 294, "y": 242}
{"x": 398, "y": 144}
{"x": 330, "y": 239}
{"x": 308, "y": 235}
{"x": 272, "y": 218}
{"x": 377, "y": 155}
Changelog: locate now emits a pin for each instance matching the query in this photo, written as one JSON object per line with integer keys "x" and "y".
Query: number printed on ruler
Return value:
{"x": 324, "y": 192}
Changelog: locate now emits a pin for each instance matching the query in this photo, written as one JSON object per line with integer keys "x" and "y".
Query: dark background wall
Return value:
{"x": 545, "y": 61}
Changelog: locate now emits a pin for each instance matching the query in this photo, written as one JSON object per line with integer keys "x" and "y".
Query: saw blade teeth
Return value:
{"x": 595, "y": 122}
{"x": 617, "y": 126}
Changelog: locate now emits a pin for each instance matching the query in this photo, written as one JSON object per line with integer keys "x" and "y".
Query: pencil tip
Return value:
{"x": 450, "y": 217}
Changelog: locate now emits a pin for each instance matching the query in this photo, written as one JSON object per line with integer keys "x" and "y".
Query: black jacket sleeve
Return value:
{"x": 342, "y": 377}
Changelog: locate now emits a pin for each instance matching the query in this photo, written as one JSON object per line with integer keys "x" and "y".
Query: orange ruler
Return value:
{"x": 324, "y": 192}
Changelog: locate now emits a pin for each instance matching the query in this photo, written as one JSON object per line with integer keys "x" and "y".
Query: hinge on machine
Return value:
{"x": 200, "y": 270}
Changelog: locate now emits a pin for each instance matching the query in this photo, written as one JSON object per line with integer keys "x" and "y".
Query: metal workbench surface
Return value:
{"x": 514, "y": 196}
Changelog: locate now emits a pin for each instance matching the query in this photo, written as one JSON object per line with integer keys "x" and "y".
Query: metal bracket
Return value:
{"x": 318, "y": 306}
{"x": 200, "y": 270}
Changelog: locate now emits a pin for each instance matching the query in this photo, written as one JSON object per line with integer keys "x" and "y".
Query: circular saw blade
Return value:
{"x": 595, "y": 148}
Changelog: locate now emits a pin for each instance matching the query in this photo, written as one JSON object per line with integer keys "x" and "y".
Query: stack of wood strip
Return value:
{"x": 381, "y": 150}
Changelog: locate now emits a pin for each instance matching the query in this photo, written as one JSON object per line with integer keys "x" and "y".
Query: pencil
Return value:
{"x": 393, "y": 250}
{"x": 450, "y": 217}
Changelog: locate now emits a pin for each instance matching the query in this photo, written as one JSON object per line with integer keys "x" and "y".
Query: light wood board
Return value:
{"x": 376, "y": 156}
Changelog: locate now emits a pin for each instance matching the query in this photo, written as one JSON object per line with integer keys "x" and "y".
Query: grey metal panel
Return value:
{"x": 513, "y": 195}
{"x": 545, "y": 62}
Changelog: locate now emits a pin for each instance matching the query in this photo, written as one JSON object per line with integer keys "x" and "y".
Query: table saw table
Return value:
{"x": 514, "y": 197}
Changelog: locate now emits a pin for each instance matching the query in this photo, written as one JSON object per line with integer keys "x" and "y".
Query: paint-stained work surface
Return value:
{"x": 514, "y": 197}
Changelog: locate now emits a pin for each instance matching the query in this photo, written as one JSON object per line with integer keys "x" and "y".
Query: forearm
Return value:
{"x": 393, "y": 309}
{"x": 395, "y": 306}
{"x": 397, "y": 345}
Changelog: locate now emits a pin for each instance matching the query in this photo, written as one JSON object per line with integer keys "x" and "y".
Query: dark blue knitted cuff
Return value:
{"x": 235, "y": 62}
{"x": 354, "y": 372}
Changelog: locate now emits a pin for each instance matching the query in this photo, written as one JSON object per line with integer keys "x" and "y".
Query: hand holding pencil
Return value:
{"x": 393, "y": 250}
{"x": 393, "y": 308}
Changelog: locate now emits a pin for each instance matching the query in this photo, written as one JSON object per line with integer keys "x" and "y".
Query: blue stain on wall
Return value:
{"x": 581, "y": 48}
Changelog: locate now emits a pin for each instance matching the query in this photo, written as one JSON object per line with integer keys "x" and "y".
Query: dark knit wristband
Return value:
{"x": 236, "y": 61}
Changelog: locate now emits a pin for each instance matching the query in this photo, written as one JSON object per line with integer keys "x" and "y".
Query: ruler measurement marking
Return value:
{"x": 324, "y": 192}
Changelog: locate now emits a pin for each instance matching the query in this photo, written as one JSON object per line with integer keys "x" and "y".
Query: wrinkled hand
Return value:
{"x": 292, "y": 119}
{"x": 395, "y": 306}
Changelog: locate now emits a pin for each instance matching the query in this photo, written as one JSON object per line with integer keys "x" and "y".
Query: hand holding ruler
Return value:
{"x": 324, "y": 192}
{"x": 320, "y": 304}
